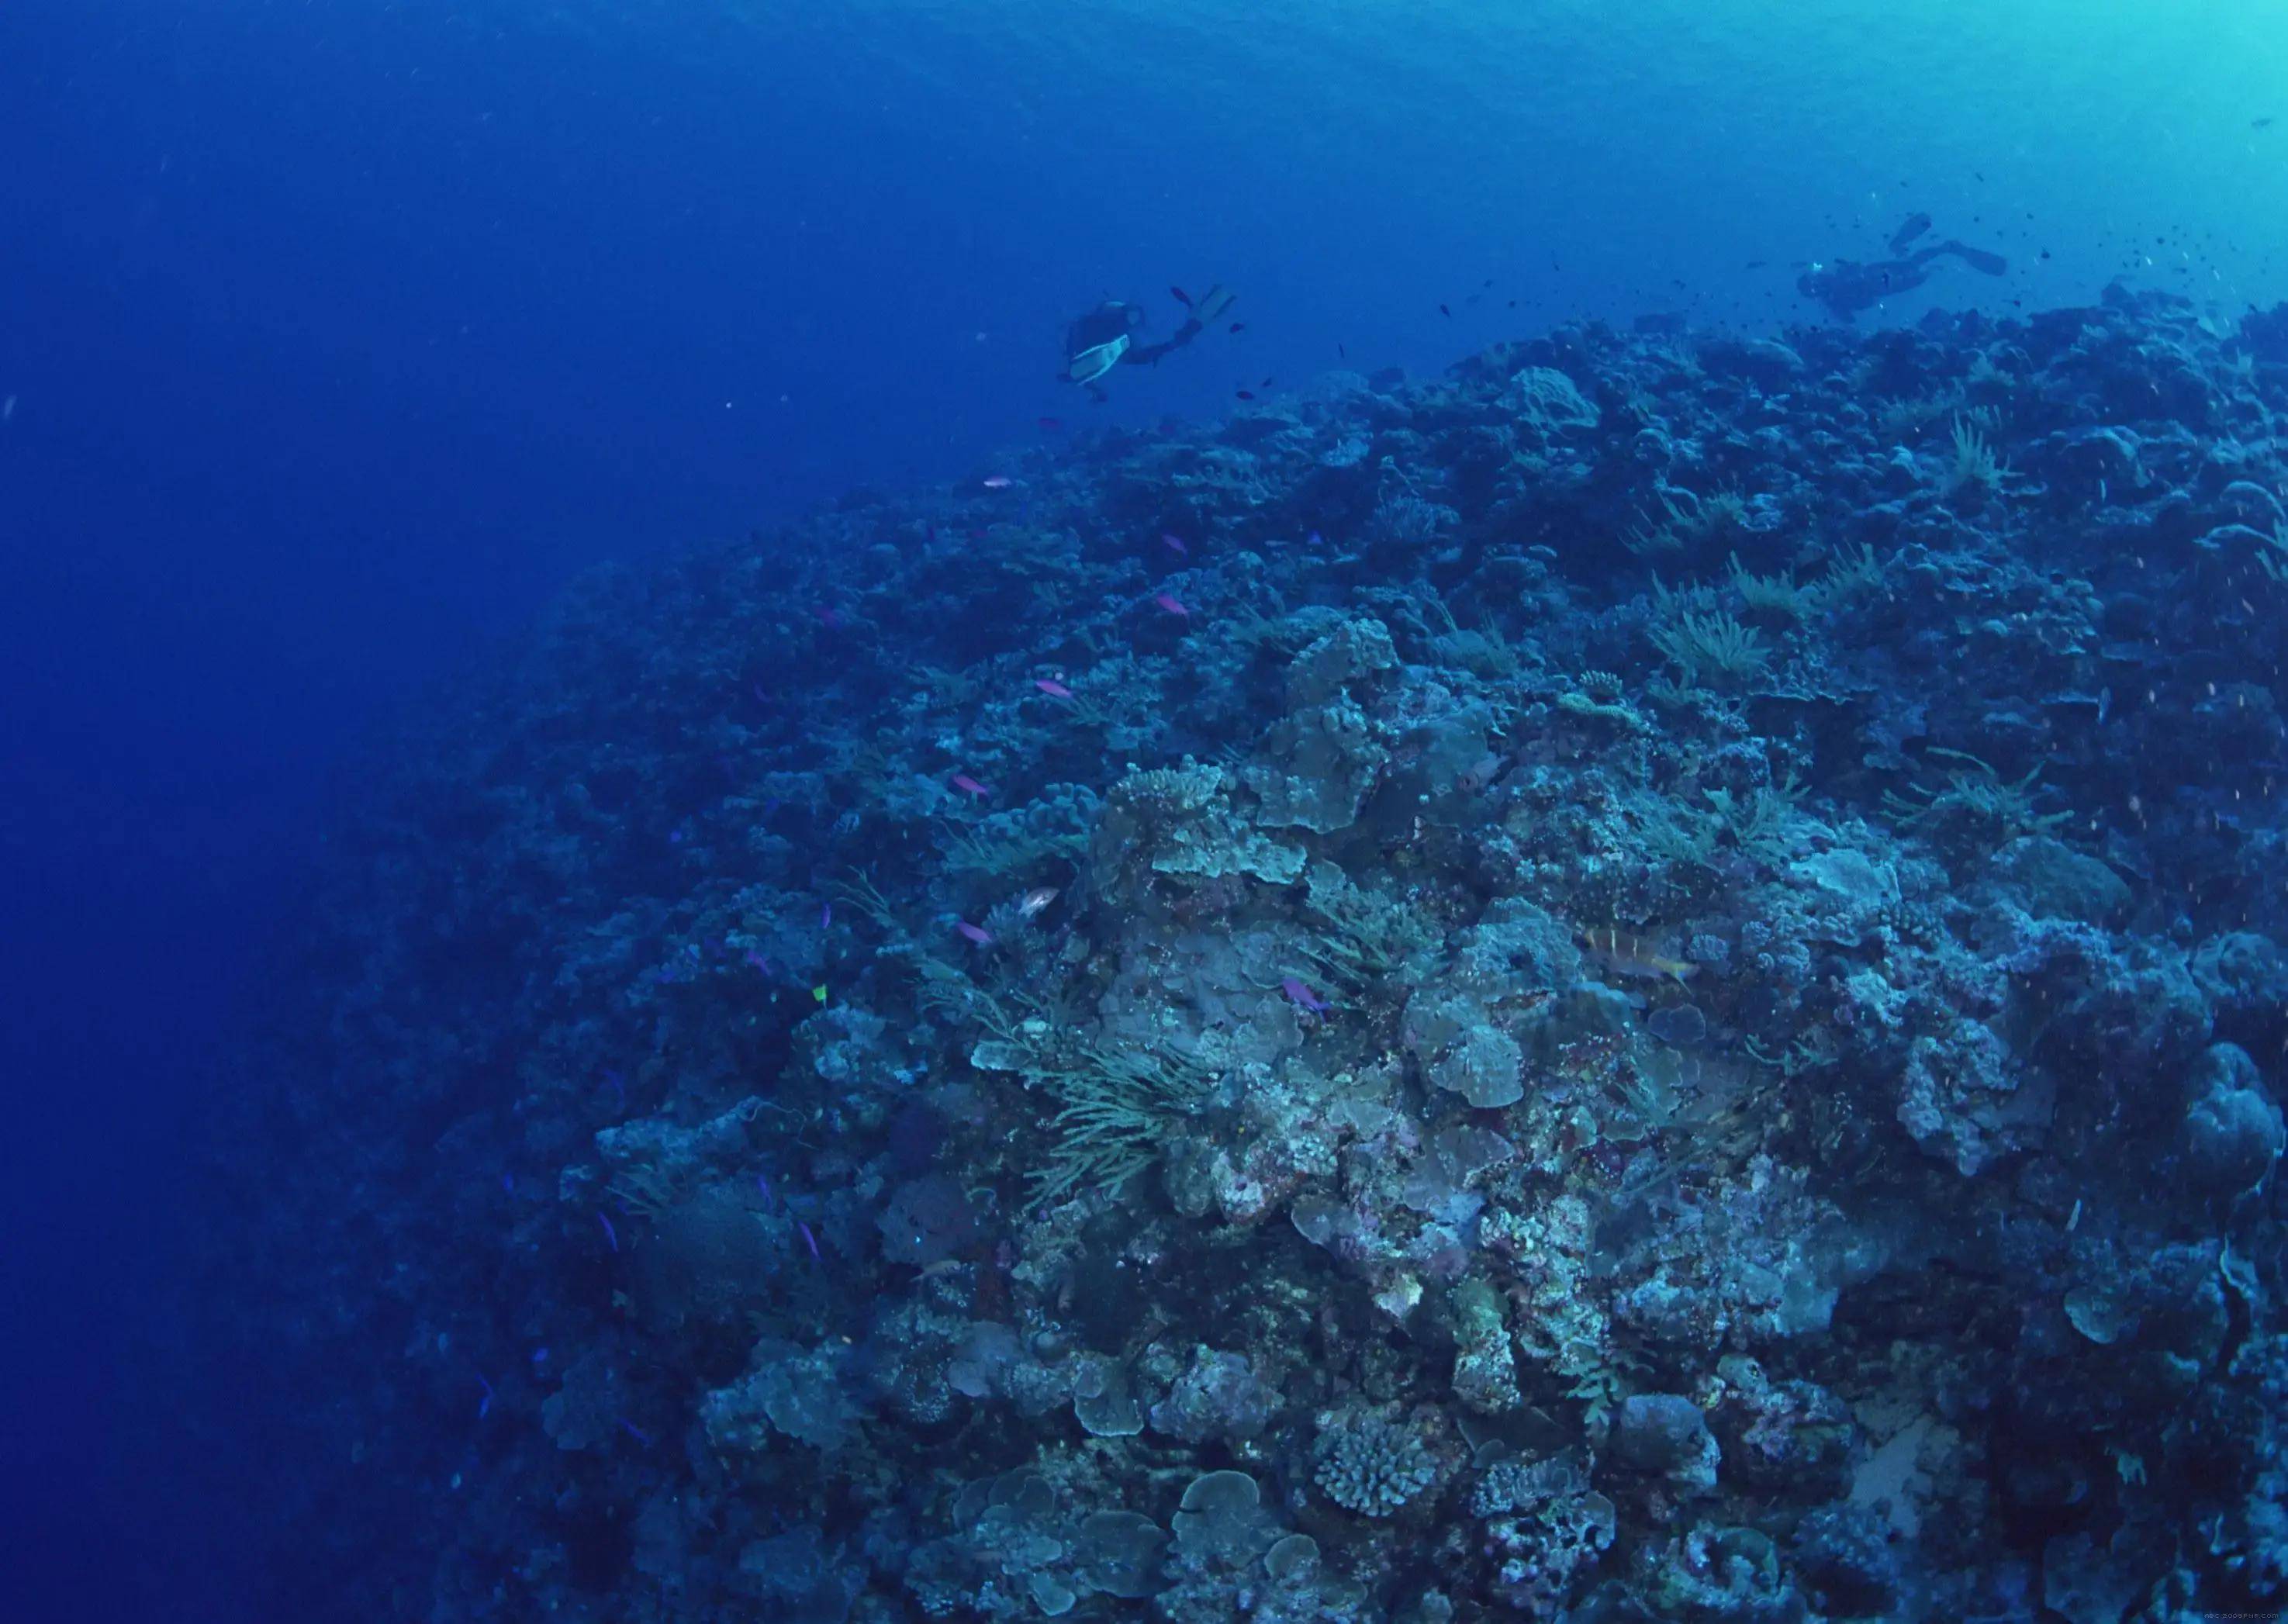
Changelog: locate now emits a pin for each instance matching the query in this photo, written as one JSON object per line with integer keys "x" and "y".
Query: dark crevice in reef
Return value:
{"x": 1646, "y": 980}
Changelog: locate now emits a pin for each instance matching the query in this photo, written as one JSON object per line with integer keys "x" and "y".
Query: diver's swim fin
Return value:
{"x": 1094, "y": 362}
{"x": 1211, "y": 304}
{"x": 1976, "y": 258}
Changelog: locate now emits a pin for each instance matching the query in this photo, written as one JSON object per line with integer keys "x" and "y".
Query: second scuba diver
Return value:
{"x": 1107, "y": 336}
{"x": 1848, "y": 286}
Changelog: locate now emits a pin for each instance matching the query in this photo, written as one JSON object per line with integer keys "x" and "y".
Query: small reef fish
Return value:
{"x": 1244, "y": 394}
{"x": 978, "y": 934}
{"x": 610, "y": 1234}
{"x": 1304, "y": 996}
{"x": 969, "y": 785}
{"x": 1632, "y": 955}
{"x": 1034, "y": 901}
{"x": 1175, "y": 544}
{"x": 998, "y": 482}
{"x": 809, "y": 1241}
{"x": 1170, "y": 604}
{"x": 1051, "y": 686}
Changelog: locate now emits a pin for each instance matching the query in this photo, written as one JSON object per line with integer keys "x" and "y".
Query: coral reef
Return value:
{"x": 956, "y": 1060}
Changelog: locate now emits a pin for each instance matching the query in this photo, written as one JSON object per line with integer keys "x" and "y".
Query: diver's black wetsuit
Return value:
{"x": 1106, "y": 337}
{"x": 1112, "y": 321}
{"x": 1847, "y": 287}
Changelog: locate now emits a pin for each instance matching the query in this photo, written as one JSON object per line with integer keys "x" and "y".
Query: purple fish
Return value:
{"x": 809, "y": 1241}
{"x": 636, "y": 1432}
{"x": 826, "y": 916}
{"x": 486, "y": 1408}
{"x": 761, "y": 960}
{"x": 610, "y": 1234}
{"x": 763, "y": 1184}
{"x": 1305, "y": 996}
{"x": 978, "y": 934}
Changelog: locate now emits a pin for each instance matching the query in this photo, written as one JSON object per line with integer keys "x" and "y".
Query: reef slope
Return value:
{"x": 1646, "y": 980}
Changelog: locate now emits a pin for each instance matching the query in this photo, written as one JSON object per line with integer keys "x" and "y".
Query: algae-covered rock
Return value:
{"x": 1223, "y": 1517}
{"x": 1666, "y": 1434}
{"x": 1322, "y": 671}
{"x": 2233, "y": 1127}
{"x": 2056, "y": 879}
{"x": 1464, "y": 1052}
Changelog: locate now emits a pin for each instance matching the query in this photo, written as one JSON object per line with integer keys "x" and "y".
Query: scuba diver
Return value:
{"x": 1106, "y": 337}
{"x": 1846, "y": 287}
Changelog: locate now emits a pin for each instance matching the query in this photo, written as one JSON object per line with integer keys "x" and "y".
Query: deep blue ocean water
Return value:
{"x": 335, "y": 336}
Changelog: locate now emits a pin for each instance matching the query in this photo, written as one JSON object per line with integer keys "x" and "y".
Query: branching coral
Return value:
{"x": 1409, "y": 523}
{"x": 1975, "y": 466}
{"x": 1373, "y": 1467}
{"x": 1003, "y": 847}
{"x": 1852, "y": 571}
{"x": 1695, "y": 521}
{"x": 1368, "y": 936}
{"x": 1777, "y": 596}
{"x": 1119, "y": 1111}
{"x": 1781, "y": 597}
{"x": 2274, "y": 560}
{"x": 1711, "y": 649}
{"x": 1976, "y": 805}
{"x": 1116, "y": 1109}
{"x": 1759, "y": 823}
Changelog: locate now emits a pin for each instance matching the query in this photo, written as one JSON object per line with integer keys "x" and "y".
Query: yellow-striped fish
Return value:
{"x": 1633, "y": 955}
